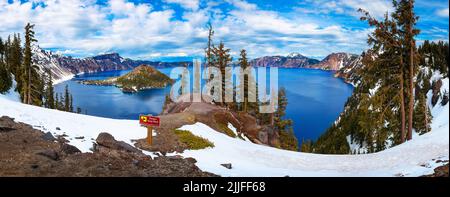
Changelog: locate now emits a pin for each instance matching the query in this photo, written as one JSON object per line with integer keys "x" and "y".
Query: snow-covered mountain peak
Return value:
{"x": 294, "y": 55}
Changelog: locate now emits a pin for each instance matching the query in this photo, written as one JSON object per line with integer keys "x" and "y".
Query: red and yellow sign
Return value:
{"x": 149, "y": 121}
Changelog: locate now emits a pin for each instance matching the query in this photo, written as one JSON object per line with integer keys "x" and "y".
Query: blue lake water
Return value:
{"x": 315, "y": 97}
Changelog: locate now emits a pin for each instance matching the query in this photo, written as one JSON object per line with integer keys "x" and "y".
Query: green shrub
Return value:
{"x": 191, "y": 141}
{"x": 224, "y": 128}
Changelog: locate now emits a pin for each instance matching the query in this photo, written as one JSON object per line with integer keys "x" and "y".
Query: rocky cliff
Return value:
{"x": 335, "y": 61}
{"x": 294, "y": 60}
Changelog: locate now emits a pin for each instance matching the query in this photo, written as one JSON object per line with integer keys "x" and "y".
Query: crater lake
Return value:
{"x": 315, "y": 98}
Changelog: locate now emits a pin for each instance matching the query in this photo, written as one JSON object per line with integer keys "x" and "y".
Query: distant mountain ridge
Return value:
{"x": 65, "y": 67}
{"x": 293, "y": 60}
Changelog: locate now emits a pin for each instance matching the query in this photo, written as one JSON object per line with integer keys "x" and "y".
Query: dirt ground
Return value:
{"x": 25, "y": 151}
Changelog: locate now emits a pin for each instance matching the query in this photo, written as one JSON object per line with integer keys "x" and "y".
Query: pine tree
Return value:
{"x": 13, "y": 59}
{"x": 210, "y": 59}
{"x": 62, "y": 106}
{"x": 57, "y": 102}
{"x": 435, "y": 55}
{"x": 407, "y": 19}
{"x": 71, "y": 103}
{"x": 288, "y": 140}
{"x": 49, "y": 92}
{"x": 5, "y": 75}
{"x": 384, "y": 70}
{"x": 422, "y": 117}
{"x": 2, "y": 50}
{"x": 223, "y": 59}
{"x": 209, "y": 56}
{"x": 243, "y": 62}
{"x": 5, "y": 78}
{"x": 66, "y": 99}
{"x": 30, "y": 77}
{"x": 307, "y": 146}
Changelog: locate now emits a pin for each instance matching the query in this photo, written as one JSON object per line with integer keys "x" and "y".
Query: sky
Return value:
{"x": 171, "y": 30}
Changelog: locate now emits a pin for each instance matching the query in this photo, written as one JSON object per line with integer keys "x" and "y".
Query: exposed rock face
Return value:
{"x": 436, "y": 89}
{"x": 348, "y": 72}
{"x": 294, "y": 60}
{"x": 47, "y": 60}
{"x": 336, "y": 61}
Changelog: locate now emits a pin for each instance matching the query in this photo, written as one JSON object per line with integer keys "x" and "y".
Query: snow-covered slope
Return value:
{"x": 414, "y": 158}
{"x": 47, "y": 60}
{"x": 71, "y": 124}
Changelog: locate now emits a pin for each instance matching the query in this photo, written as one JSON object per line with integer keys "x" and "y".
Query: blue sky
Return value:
{"x": 176, "y": 29}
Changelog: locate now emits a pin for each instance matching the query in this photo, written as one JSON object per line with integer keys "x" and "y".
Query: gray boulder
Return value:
{"x": 107, "y": 140}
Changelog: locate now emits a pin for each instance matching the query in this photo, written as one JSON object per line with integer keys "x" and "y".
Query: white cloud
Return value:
{"x": 443, "y": 12}
{"x": 14, "y": 16}
{"x": 187, "y": 4}
{"x": 375, "y": 7}
{"x": 243, "y": 5}
{"x": 81, "y": 27}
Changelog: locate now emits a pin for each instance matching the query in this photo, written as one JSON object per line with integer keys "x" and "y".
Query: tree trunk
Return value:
{"x": 411, "y": 94}
{"x": 245, "y": 104}
{"x": 29, "y": 86}
{"x": 426, "y": 116}
{"x": 411, "y": 75}
{"x": 402, "y": 104}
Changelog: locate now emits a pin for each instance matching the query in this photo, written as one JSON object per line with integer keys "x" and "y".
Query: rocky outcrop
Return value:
{"x": 177, "y": 114}
{"x": 108, "y": 141}
{"x": 335, "y": 61}
{"x": 294, "y": 60}
{"x": 349, "y": 71}
{"x": 436, "y": 90}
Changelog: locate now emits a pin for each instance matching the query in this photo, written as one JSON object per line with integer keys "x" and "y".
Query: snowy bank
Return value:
{"x": 414, "y": 158}
{"x": 71, "y": 124}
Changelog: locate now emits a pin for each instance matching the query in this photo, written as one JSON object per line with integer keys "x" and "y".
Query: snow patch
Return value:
{"x": 233, "y": 129}
{"x": 72, "y": 124}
